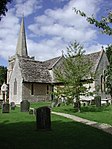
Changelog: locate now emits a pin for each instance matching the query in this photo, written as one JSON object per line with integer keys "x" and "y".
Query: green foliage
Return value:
{"x": 103, "y": 24}
{"x": 101, "y": 114}
{"x": 76, "y": 68}
{"x": 109, "y": 70}
{"x": 3, "y": 7}
{"x": 109, "y": 53}
{"x": 3, "y": 74}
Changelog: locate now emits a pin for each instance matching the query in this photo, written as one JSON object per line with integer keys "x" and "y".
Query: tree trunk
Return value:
{"x": 77, "y": 104}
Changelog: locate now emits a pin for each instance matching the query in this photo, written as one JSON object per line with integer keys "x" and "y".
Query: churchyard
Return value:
{"x": 18, "y": 129}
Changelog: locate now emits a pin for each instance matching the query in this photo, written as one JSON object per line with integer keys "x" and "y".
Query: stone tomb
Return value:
{"x": 43, "y": 118}
{"x": 25, "y": 106}
{"x": 5, "y": 108}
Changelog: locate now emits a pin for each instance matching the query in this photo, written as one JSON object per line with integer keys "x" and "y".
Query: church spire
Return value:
{"x": 21, "y": 48}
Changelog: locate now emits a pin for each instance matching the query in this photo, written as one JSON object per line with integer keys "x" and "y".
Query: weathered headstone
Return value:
{"x": 12, "y": 105}
{"x": 1, "y": 102}
{"x": 5, "y": 108}
{"x": 98, "y": 101}
{"x": 43, "y": 118}
{"x": 25, "y": 105}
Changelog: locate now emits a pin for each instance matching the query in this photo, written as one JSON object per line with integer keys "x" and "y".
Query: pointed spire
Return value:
{"x": 62, "y": 53}
{"x": 21, "y": 48}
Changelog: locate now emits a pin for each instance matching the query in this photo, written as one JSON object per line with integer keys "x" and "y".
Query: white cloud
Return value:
{"x": 94, "y": 48}
{"x": 27, "y": 7}
{"x": 9, "y": 27}
{"x": 64, "y": 23}
{"x": 51, "y": 32}
{"x": 46, "y": 49}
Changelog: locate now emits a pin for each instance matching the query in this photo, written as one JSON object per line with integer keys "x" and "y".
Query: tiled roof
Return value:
{"x": 94, "y": 58}
{"x": 50, "y": 63}
{"x": 34, "y": 71}
{"x": 37, "y": 71}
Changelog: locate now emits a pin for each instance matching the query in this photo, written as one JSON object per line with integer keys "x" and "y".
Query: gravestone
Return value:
{"x": 12, "y": 105}
{"x": 5, "y": 108}
{"x": 43, "y": 118}
{"x": 98, "y": 101}
{"x": 25, "y": 105}
{"x": 1, "y": 102}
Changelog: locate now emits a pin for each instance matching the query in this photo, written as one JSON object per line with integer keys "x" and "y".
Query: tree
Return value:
{"x": 3, "y": 74}
{"x": 75, "y": 71}
{"x": 109, "y": 70}
{"x": 103, "y": 24}
{"x": 3, "y": 7}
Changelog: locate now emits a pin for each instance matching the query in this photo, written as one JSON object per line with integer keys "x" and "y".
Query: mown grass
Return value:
{"x": 40, "y": 104}
{"x": 18, "y": 131}
{"x": 101, "y": 114}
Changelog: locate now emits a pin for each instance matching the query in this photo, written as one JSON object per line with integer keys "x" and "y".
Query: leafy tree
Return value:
{"x": 74, "y": 72}
{"x": 109, "y": 53}
{"x": 3, "y": 7}
{"x": 3, "y": 74}
{"x": 109, "y": 70}
{"x": 104, "y": 24}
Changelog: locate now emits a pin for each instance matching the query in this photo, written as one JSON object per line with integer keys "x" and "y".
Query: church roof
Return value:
{"x": 94, "y": 58}
{"x": 51, "y": 62}
{"x": 38, "y": 71}
{"x": 34, "y": 71}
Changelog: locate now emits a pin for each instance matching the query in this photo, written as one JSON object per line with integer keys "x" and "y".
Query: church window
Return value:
{"x": 101, "y": 83}
{"x": 32, "y": 89}
{"x": 104, "y": 80}
{"x": 15, "y": 87}
{"x": 47, "y": 89}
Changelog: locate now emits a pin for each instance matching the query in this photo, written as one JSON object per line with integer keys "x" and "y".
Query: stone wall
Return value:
{"x": 40, "y": 92}
{"x": 100, "y": 71}
{"x": 16, "y": 74}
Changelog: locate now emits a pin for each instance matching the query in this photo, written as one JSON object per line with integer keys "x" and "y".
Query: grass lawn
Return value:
{"x": 18, "y": 131}
{"x": 99, "y": 114}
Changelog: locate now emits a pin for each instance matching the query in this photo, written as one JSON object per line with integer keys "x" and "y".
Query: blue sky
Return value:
{"x": 51, "y": 25}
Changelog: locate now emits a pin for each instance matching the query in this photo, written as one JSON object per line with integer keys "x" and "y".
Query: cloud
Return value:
{"x": 94, "y": 48}
{"x": 9, "y": 27}
{"x": 27, "y": 7}
{"x": 65, "y": 23}
{"x": 51, "y": 32}
{"x": 46, "y": 49}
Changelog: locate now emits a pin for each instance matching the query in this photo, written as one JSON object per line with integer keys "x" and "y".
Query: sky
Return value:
{"x": 51, "y": 25}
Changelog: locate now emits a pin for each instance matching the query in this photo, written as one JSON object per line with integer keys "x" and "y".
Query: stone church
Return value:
{"x": 34, "y": 80}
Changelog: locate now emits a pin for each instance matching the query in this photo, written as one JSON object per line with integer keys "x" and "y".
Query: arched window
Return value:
{"x": 101, "y": 83}
{"x": 15, "y": 87}
{"x": 104, "y": 78}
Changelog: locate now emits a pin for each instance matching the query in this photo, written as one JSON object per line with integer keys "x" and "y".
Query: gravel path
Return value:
{"x": 105, "y": 127}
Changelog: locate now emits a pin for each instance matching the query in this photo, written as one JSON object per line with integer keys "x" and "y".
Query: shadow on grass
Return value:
{"x": 73, "y": 110}
{"x": 64, "y": 134}
{"x": 94, "y": 109}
